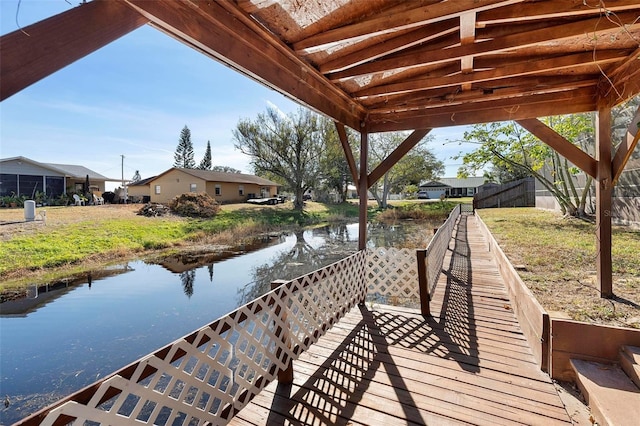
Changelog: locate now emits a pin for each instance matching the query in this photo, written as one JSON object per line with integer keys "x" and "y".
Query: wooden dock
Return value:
{"x": 385, "y": 365}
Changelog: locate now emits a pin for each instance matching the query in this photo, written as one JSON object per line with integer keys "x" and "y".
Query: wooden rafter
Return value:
{"x": 515, "y": 108}
{"x": 542, "y": 11}
{"x": 411, "y": 18}
{"x": 530, "y": 38}
{"x": 575, "y": 155}
{"x": 467, "y": 36}
{"x": 396, "y": 44}
{"x": 445, "y": 97}
{"x": 563, "y": 63}
{"x": 39, "y": 50}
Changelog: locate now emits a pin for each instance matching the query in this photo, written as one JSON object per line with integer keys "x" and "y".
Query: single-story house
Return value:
{"x": 452, "y": 187}
{"x": 140, "y": 190}
{"x": 23, "y": 176}
{"x": 224, "y": 187}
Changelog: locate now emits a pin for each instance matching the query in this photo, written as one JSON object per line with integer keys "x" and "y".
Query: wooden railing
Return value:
{"x": 395, "y": 277}
{"x": 211, "y": 374}
{"x": 429, "y": 261}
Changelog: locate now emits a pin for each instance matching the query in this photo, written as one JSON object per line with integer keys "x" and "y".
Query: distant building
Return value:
{"x": 452, "y": 187}
{"x": 224, "y": 187}
{"x": 23, "y": 176}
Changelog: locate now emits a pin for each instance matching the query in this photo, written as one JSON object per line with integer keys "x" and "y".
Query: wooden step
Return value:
{"x": 630, "y": 362}
{"x": 612, "y": 397}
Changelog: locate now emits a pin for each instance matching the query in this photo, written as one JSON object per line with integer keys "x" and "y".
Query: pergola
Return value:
{"x": 388, "y": 65}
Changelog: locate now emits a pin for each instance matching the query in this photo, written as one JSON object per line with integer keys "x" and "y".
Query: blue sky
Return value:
{"x": 132, "y": 98}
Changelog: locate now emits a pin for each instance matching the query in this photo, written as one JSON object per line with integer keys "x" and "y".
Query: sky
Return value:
{"x": 132, "y": 98}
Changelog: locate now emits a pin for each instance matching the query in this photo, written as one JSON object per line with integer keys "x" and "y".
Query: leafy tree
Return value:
{"x": 183, "y": 156}
{"x": 225, "y": 169}
{"x": 513, "y": 151}
{"x": 287, "y": 147}
{"x": 334, "y": 169}
{"x": 205, "y": 164}
{"x": 417, "y": 165}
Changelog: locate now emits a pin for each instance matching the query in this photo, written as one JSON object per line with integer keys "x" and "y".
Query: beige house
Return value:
{"x": 224, "y": 187}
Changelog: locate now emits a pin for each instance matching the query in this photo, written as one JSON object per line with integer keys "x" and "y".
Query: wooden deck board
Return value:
{"x": 387, "y": 365}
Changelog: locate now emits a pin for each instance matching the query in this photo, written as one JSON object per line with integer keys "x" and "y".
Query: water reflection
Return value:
{"x": 67, "y": 335}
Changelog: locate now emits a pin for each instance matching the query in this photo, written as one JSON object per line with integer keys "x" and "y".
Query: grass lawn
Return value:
{"x": 78, "y": 239}
{"x": 559, "y": 257}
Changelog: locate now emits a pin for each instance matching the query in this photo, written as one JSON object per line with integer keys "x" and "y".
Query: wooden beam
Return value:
{"x": 397, "y": 154}
{"x": 604, "y": 194}
{"x": 504, "y": 108}
{"x": 445, "y": 97}
{"x": 39, "y": 50}
{"x": 623, "y": 82}
{"x": 467, "y": 36}
{"x": 624, "y": 151}
{"x": 408, "y": 19}
{"x": 221, "y": 31}
{"x": 344, "y": 141}
{"x": 521, "y": 109}
{"x": 546, "y": 10}
{"x": 395, "y": 44}
{"x": 363, "y": 190}
{"x": 531, "y": 68}
{"x": 578, "y": 157}
{"x": 519, "y": 40}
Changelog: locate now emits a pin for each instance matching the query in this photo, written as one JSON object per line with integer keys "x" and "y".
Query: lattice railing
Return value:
{"x": 392, "y": 276}
{"x": 209, "y": 375}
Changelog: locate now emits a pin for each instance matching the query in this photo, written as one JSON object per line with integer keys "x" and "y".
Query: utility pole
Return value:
{"x": 124, "y": 188}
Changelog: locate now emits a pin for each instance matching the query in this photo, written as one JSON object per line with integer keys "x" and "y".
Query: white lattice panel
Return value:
{"x": 208, "y": 376}
{"x": 392, "y": 272}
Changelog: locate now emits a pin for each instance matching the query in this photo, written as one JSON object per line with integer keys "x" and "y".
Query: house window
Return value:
{"x": 193, "y": 187}
{"x": 157, "y": 189}
{"x": 218, "y": 190}
{"x": 241, "y": 190}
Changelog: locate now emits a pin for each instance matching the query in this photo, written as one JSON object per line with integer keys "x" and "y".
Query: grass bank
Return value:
{"x": 558, "y": 259}
{"x": 78, "y": 239}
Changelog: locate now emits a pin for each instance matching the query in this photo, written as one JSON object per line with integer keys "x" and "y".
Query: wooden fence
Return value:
{"x": 521, "y": 193}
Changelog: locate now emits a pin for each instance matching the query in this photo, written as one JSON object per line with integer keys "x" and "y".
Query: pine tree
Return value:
{"x": 184, "y": 152}
{"x": 205, "y": 164}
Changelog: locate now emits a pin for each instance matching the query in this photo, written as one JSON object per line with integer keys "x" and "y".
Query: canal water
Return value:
{"x": 64, "y": 337}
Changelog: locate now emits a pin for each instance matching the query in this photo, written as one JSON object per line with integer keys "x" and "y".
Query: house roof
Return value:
{"x": 471, "y": 182}
{"x": 69, "y": 170}
{"x": 142, "y": 182}
{"x": 76, "y": 171}
{"x": 211, "y": 176}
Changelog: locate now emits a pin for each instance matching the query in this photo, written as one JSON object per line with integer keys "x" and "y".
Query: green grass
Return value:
{"x": 53, "y": 247}
{"x": 559, "y": 256}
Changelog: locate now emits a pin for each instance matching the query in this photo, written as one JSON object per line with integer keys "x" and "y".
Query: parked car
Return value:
{"x": 423, "y": 195}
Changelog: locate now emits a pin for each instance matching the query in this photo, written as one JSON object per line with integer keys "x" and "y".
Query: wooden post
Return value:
{"x": 604, "y": 193}
{"x": 284, "y": 376}
{"x": 423, "y": 282}
{"x": 363, "y": 189}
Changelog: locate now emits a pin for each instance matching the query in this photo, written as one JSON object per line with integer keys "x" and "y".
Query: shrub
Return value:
{"x": 194, "y": 205}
